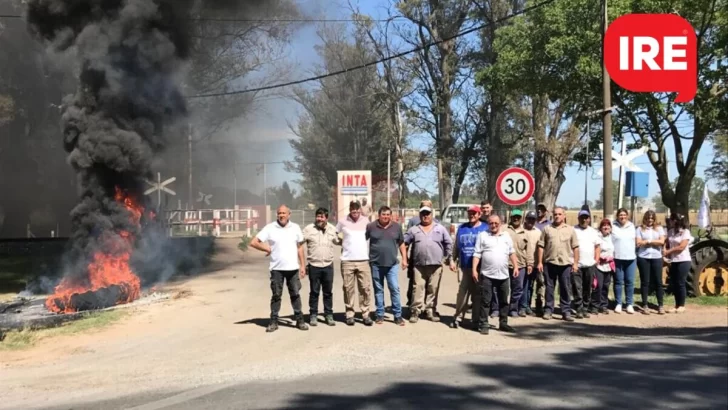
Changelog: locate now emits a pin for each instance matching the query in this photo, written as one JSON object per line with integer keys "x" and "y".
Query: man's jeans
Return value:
{"x": 391, "y": 274}
{"x": 321, "y": 279}
{"x": 517, "y": 289}
{"x": 490, "y": 287}
{"x": 277, "y": 277}
{"x": 562, "y": 274}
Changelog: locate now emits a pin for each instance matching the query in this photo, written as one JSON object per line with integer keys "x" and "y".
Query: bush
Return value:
{"x": 244, "y": 243}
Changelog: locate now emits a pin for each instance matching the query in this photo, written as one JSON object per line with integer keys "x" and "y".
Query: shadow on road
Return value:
{"x": 650, "y": 375}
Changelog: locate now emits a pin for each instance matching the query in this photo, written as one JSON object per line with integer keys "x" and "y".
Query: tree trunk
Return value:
{"x": 548, "y": 169}
{"x": 498, "y": 153}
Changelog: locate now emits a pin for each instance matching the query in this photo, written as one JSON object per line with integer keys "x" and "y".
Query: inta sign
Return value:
{"x": 653, "y": 53}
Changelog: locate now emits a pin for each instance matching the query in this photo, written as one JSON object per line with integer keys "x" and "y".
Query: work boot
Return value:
{"x": 585, "y": 313}
{"x": 579, "y": 315}
{"x": 272, "y": 326}
{"x": 380, "y": 320}
{"x": 313, "y": 320}
{"x": 399, "y": 321}
{"x": 547, "y": 315}
{"x": 330, "y": 320}
{"x": 430, "y": 316}
{"x": 530, "y": 312}
{"x": 604, "y": 311}
{"x": 350, "y": 321}
{"x": 522, "y": 313}
{"x": 368, "y": 321}
{"x": 484, "y": 330}
{"x": 505, "y": 327}
{"x": 414, "y": 317}
{"x": 594, "y": 311}
{"x": 567, "y": 317}
{"x": 301, "y": 324}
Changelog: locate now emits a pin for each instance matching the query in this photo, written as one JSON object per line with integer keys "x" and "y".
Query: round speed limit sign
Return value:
{"x": 515, "y": 186}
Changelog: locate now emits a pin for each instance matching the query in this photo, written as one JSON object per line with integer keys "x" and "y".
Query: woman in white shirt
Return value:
{"x": 605, "y": 267}
{"x": 625, "y": 255}
{"x": 678, "y": 253}
{"x": 650, "y": 240}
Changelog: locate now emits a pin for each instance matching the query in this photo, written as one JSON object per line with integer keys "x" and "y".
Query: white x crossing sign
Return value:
{"x": 160, "y": 186}
{"x": 625, "y": 161}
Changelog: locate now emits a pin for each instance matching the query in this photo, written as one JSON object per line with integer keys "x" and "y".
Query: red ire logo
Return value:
{"x": 653, "y": 53}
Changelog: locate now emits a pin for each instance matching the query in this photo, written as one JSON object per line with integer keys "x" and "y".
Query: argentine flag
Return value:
{"x": 704, "y": 212}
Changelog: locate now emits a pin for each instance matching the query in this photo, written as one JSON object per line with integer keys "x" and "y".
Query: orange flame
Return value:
{"x": 106, "y": 269}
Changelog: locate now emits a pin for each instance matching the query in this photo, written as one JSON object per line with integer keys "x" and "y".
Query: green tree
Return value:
{"x": 719, "y": 167}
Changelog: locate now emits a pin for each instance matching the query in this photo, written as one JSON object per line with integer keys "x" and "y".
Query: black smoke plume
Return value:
{"x": 129, "y": 54}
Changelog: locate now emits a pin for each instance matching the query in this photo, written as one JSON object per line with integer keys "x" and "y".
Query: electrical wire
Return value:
{"x": 379, "y": 61}
{"x": 283, "y": 20}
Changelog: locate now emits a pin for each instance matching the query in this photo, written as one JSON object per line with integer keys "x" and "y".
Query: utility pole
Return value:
{"x": 607, "y": 128}
{"x": 400, "y": 160}
{"x": 189, "y": 165}
{"x": 389, "y": 177}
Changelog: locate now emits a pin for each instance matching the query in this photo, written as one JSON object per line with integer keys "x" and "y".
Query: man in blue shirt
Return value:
{"x": 465, "y": 239}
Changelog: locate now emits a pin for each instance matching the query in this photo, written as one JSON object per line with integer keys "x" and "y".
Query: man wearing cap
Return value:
{"x": 485, "y": 210}
{"x": 582, "y": 278}
{"x": 355, "y": 270}
{"x": 533, "y": 276}
{"x": 518, "y": 273}
{"x": 558, "y": 256}
{"x": 493, "y": 251}
{"x": 463, "y": 250}
{"x": 543, "y": 216}
{"x": 432, "y": 245}
{"x": 414, "y": 221}
{"x": 366, "y": 210}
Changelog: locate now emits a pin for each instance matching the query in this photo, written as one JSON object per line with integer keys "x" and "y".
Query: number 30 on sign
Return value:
{"x": 515, "y": 186}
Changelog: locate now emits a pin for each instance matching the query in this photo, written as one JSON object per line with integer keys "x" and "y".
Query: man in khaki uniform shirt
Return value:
{"x": 520, "y": 242}
{"x": 533, "y": 276}
{"x": 320, "y": 238}
{"x": 558, "y": 255}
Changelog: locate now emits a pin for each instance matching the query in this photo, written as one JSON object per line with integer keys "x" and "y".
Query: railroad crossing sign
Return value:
{"x": 625, "y": 161}
{"x": 204, "y": 198}
{"x": 160, "y": 186}
{"x": 515, "y": 186}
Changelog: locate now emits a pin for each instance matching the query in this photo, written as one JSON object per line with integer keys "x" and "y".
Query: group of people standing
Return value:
{"x": 500, "y": 267}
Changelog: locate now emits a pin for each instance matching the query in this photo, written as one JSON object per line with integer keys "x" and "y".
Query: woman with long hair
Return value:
{"x": 678, "y": 253}
{"x": 650, "y": 240}
{"x": 605, "y": 269}
{"x": 625, "y": 255}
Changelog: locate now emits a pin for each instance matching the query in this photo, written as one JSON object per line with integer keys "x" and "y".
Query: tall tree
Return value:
{"x": 719, "y": 167}
{"x": 345, "y": 123}
{"x": 539, "y": 61}
{"x": 440, "y": 74}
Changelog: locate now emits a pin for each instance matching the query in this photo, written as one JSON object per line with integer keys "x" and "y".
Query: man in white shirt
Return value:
{"x": 582, "y": 278}
{"x": 282, "y": 240}
{"x": 493, "y": 251}
{"x": 355, "y": 269}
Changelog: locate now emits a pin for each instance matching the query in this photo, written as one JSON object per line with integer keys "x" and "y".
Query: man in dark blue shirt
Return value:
{"x": 386, "y": 240}
{"x": 465, "y": 239}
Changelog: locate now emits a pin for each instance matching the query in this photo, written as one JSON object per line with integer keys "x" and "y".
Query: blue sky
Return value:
{"x": 268, "y": 131}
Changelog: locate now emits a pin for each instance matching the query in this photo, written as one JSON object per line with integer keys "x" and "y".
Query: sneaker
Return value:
{"x": 594, "y": 311}
{"x": 673, "y": 310}
{"x": 645, "y": 310}
{"x": 522, "y": 313}
{"x": 530, "y": 312}
{"x": 484, "y": 330}
{"x": 504, "y": 327}
{"x": 660, "y": 310}
{"x": 514, "y": 314}
{"x": 579, "y": 315}
{"x": 585, "y": 313}
{"x": 494, "y": 314}
{"x": 547, "y": 315}
{"x": 301, "y": 324}
{"x": 350, "y": 321}
{"x": 431, "y": 317}
{"x": 604, "y": 311}
{"x": 272, "y": 327}
{"x": 618, "y": 309}
{"x": 414, "y": 318}
{"x": 380, "y": 320}
{"x": 454, "y": 324}
{"x": 368, "y": 321}
{"x": 313, "y": 320}
{"x": 568, "y": 318}
{"x": 330, "y": 320}
{"x": 681, "y": 309}
{"x": 399, "y": 321}
{"x": 630, "y": 309}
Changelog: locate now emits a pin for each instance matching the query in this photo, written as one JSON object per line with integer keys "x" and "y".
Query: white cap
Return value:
{"x": 425, "y": 209}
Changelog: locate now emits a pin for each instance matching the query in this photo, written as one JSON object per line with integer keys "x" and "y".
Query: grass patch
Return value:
{"x": 26, "y": 338}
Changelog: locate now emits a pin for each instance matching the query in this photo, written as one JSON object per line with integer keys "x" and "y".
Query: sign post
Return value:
{"x": 352, "y": 186}
{"x": 515, "y": 186}
{"x": 160, "y": 186}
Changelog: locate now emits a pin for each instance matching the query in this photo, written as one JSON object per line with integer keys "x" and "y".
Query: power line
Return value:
{"x": 234, "y": 20}
{"x": 381, "y": 60}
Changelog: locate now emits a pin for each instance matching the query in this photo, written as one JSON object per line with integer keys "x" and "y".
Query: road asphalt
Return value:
{"x": 648, "y": 373}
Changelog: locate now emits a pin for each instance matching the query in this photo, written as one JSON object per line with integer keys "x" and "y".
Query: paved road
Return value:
{"x": 652, "y": 373}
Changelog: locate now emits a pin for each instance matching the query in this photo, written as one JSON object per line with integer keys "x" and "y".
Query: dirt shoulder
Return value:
{"x": 215, "y": 333}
